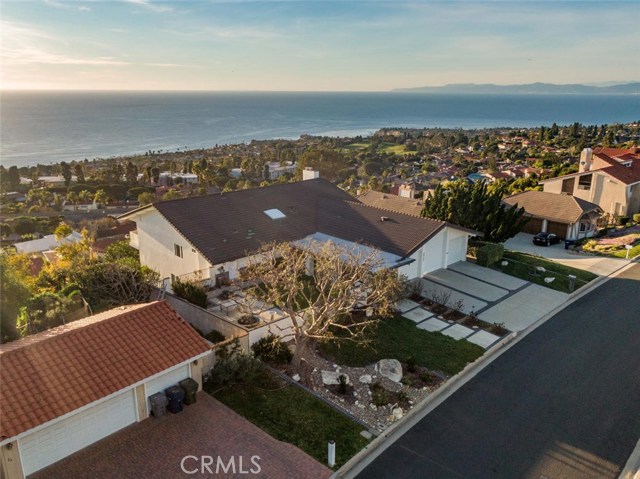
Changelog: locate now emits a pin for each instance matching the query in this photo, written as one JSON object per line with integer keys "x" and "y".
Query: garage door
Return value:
{"x": 59, "y": 440}
{"x": 533, "y": 226}
{"x": 557, "y": 228}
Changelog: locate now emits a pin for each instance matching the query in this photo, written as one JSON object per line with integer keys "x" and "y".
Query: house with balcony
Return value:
{"x": 211, "y": 237}
{"x": 608, "y": 177}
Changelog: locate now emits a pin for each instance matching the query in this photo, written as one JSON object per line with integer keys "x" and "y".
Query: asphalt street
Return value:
{"x": 562, "y": 403}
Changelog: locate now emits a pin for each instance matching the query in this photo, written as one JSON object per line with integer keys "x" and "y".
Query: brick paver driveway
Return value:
{"x": 154, "y": 448}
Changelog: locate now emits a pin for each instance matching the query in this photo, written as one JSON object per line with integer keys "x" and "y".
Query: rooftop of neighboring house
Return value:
{"x": 389, "y": 202}
{"x": 618, "y": 163}
{"x": 552, "y": 206}
{"x": 52, "y": 373}
{"x": 229, "y": 226}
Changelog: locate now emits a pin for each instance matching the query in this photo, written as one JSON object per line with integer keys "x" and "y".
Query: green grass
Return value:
{"x": 398, "y": 338}
{"x": 622, "y": 253}
{"x": 394, "y": 149}
{"x": 522, "y": 264}
{"x": 357, "y": 146}
{"x": 292, "y": 415}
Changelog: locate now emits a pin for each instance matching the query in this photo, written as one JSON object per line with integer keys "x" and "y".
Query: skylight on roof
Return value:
{"x": 275, "y": 214}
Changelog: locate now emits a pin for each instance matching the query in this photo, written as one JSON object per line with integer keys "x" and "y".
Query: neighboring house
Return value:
{"x": 608, "y": 177}
{"x": 14, "y": 196}
{"x": 46, "y": 243}
{"x": 54, "y": 181}
{"x": 389, "y": 202}
{"x": 68, "y": 387}
{"x": 213, "y": 235}
{"x": 277, "y": 169}
{"x": 568, "y": 217}
{"x": 69, "y": 206}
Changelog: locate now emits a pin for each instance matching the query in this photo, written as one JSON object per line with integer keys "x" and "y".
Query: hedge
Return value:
{"x": 489, "y": 254}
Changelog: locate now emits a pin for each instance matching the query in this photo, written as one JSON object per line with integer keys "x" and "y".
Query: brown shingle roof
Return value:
{"x": 229, "y": 226}
{"x": 52, "y": 373}
{"x": 397, "y": 233}
{"x": 552, "y": 206}
{"x": 389, "y": 202}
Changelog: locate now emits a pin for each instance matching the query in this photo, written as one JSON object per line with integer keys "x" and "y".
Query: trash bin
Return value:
{"x": 175, "y": 395}
{"x": 159, "y": 403}
{"x": 567, "y": 243}
{"x": 190, "y": 387}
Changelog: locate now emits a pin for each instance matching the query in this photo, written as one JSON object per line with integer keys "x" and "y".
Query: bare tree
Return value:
{"x": 319, "y": 285}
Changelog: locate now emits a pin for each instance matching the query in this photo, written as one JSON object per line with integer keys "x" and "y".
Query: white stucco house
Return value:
{"x": 210, "y": 237}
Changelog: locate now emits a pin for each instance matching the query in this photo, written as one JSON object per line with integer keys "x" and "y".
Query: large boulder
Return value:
{"x": 390, "y": 369}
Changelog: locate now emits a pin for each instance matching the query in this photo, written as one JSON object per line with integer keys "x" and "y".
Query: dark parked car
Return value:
{"x": 546, "y": 239}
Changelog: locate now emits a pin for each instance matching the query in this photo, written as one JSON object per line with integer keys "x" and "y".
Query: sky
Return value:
{"x": 313, "y": 45}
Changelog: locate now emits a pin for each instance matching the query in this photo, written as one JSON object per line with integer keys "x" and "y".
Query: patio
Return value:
{"x": 155, "y": 448}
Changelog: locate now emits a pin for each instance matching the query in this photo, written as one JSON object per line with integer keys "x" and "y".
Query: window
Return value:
{"x": 177, "y": 249}
{"x": 584, "y": 227}
{"x": 584, "y": 182}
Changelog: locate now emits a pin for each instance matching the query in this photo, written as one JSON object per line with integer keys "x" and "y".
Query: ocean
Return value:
{"x": 47, "y": 127}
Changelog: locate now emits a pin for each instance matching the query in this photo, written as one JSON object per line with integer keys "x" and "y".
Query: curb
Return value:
{"x": 391, "y": 434}
{"x": 631, "y": 469}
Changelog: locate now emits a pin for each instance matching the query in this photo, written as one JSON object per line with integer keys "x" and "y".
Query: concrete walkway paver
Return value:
{"x": 524, "y": 308}
{"x": 488, "y": 275}
{"x": 405, "y": 305}
{"x": 417, "y": 315}
{"x": 461, "y": 282}
{"x": 483, "y": 339}
{"x": 433, "y": 325}
{"x": 457, "y": 331}
{"x": 469, "y": 303}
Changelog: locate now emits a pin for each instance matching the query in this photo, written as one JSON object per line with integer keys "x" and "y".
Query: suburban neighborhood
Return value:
{"x": 194, "y": 321}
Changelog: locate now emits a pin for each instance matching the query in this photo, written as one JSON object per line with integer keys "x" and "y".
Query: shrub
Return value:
{"x": 191, "y": 291}
{"x": 238, "y": 368}
{"x": 411, "y": 364}
{"x": 272, "y": 350}
{"x": 214, "y": 336}
{"x": 68, "y": 289}
{"x": 342, "y": 384}
{"x": 379, "y": 395}
{"x": 623, "y": 220}
{"x": 489, "y": 254}
{"x": 636, "y": 218}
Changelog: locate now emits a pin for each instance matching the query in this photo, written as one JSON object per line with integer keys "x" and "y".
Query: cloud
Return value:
{"x": 66, "y": 6}
{"x": 155, "y": 7}
{"x": 23, "y": 45}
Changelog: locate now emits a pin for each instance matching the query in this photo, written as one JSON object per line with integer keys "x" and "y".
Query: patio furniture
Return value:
{"x": 227, "y": 305}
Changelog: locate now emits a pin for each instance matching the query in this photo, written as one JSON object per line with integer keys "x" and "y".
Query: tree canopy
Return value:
{"x": 319, "y": 286}
{"x": 475, "y": 206}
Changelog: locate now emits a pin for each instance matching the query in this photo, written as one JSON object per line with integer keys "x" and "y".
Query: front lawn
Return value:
{"x": 292, "y": 415}
{"x": 399, "y": 338}
{"x": 522, "y": 265}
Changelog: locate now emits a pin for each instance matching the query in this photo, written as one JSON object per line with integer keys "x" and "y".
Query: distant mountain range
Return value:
{"x": 530, "y": 88}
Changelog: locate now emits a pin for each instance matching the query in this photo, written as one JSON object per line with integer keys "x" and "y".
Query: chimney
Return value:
{"x": 310, "y": 174}
{"x": 586, "y": 158}
{"x": 406, "y": 191}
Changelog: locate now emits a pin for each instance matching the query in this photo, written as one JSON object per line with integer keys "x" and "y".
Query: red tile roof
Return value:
{"x": 52, "y": 373}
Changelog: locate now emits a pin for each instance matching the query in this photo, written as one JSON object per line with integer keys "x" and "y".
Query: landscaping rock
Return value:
{"x": 366, "y": 434}
{"x": 296, "y": 377}
{"x": 332, "y": 377}
{"x": 390, "y": 369}
{"x": 397, "y": 413}
{"x": 505, "y": 263}
{"x": 365, "y": 379}
{"x": 540, "y": 269}
{"x": 549, "y": 280}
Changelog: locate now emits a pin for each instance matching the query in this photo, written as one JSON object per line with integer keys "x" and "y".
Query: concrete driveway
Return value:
{"x": 603, "y": 266}
{"x": 496, "y": 297}
{"x": 154, "y": 449}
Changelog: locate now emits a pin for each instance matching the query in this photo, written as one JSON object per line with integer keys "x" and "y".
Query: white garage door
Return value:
{"x": 59, "y": 440}
{"x": 168, "y": 379}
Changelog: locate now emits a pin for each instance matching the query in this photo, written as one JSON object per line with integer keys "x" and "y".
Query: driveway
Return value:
{"x": 154, "y": 448}
{"x": 496, "y": 297}
{"x": 603, "y": 266}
